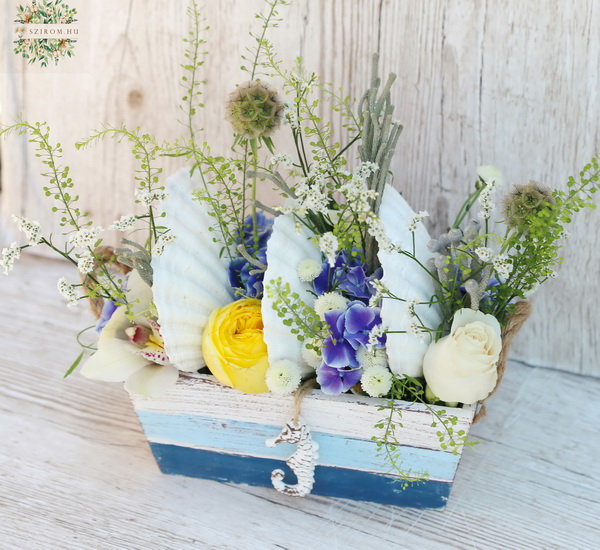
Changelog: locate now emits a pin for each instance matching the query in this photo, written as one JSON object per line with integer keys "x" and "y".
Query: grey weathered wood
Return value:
{"x": 512, "y": 83}
{"x": 76, "y": 472}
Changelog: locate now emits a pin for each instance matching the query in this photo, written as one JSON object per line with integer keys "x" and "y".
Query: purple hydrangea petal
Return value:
{"x": 336, "y": 381}
{"x": 359, "y": 317}
{"x": 338, "y": 353}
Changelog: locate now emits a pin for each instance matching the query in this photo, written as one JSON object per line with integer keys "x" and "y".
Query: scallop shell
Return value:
{"x": 190, "y": 277}
{"x": 406, "y": 279}
{"x": 285, "y": 250}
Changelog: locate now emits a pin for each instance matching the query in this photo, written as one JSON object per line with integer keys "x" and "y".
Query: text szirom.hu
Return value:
{"x": 46, "y": 31}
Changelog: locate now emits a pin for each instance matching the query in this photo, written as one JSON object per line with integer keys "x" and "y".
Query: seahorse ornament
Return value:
{"x": 302, "y": 462}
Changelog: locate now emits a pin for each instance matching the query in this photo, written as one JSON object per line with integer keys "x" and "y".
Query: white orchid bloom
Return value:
{"x": 132, "y": 352}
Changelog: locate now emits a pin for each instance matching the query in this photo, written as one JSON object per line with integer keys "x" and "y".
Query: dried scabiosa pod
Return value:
{"x": 525, "y": 203}
{"x": 254, "y": 110}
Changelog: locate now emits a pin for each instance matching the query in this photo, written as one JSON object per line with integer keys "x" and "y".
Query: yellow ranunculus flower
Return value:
{"x": 233, "y": 346}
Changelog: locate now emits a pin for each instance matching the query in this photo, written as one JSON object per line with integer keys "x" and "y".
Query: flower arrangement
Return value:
{"x": 337, "y": 285}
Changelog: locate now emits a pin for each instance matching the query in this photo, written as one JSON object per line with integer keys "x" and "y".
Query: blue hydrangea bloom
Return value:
{"x": 245, "y": 283}
{"x": 347, "y": 276}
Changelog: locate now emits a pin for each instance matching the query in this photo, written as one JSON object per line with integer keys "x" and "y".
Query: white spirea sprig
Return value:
{"x": 484, "y": 253}
{"x": 86, "y": 236}
{"x": 308, "y": 270}
{"x": 283, "y": 377}
{"x": 68, "y": 292}
{"x": 417, "y": 218}
{"x": 86, "y": 262}
{"x": 376, "y": 332}
{"x": 415, "y": 329}
{"x": 282, "y": 158}
{"x": 503, "y": 266}
{"x": 329, "y": 244}
{"x": 147, "y": 198}
{"x": 163, "y": 240}
{"x": 380, "y": 290}
{"x": 123, "y": 224}
{"x": 376, "y": 381}
{"x": 376, "y": 230}
{"x": 32, "y": 230}
{"x": 486, "y": 198}
{"x": 9, "y": 256}
{"x": 290, "y": 116}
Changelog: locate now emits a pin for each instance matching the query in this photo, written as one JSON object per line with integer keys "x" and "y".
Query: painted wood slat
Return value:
{"x": 346, "y": 415}
{"x": 202, "y": 429}
{"x": 332, "y": 482}
{"x": 243, "y": 438}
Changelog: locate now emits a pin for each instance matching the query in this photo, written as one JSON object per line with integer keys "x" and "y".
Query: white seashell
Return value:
{"x": 405, "y": 278}
{"x": 190, "y": 277}
{"x": 302, "y": 462}
{"x": 285, "y": 250}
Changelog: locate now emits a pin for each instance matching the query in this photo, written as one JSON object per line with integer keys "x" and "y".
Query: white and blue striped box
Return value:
{"x": 205, "y": 430}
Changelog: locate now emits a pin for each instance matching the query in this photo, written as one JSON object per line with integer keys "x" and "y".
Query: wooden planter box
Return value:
{"x": 202, "y": 429}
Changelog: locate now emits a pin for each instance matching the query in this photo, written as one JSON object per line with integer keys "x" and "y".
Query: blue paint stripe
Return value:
{"x": 232, "y": 436}
{"x": 332, "y": 482}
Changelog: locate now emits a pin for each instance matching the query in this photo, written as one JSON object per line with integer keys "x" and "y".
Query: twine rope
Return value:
{"x": 299, "y": 395}
{"x": 509, "y": 331}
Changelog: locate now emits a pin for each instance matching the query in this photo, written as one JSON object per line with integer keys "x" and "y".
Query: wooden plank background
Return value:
{"x": 511, "y": 83}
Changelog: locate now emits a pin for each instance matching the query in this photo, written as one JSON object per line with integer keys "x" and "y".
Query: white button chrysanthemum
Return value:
{"x": 376, "y": 358}
{"x": 283, "y": 377}
{"x": 328, "y": 302}
{"x": 376, "y": 381}
{"x": 308, "y": 270}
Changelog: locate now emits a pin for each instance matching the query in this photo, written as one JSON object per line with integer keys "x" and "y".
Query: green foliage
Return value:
{"x": 389, "y": 440}
{"x": 302, "y": 320}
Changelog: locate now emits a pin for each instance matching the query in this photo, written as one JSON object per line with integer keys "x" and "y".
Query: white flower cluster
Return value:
{"x": 328, "y": 302}
{"x": 9, "y": 256}
{"x": 376, "y": 332}
{"x": 148, "y": 197}
{"x": 283, "y": 377}
{"x": 67, "y": 291}
{"x": 123, "y": 224}
{"x": 486, "y": 199}
{"x": 290, "y": 116}
{"x": 32, "y": 229}
{"x": 329, "y": 244}
{"x": 308, "y": 270}
{"x": 283, "y": 158}
{"x": 366, "y": 169}
{"x": 86, "y": 262}
{"x": 410, "y": 307}
{"x": 86, "y": 236}
{"x": 159, "y": 247}
{"x": 377, "y": 296}
{"x": 312, "y": 195}
{"x": 376, "y": 381}
{"x": 415, "y": 329}
{"x": 417, "y": 218}
{"x": 484, "y": 253}
{"x": 502, "y": 265}
{"x": 375, "y": 229}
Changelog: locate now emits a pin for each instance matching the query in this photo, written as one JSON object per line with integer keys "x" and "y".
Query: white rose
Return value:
{"x": 462, "y": 366}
